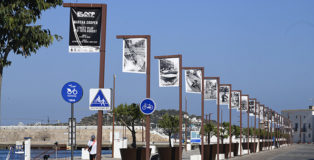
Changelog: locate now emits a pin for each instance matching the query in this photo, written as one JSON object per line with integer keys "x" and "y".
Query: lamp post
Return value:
{"x": 147, "y": 130}
{"x": 202, "y": 101}
{"x": 180, "y": 97}
{"x": 102, "y": 63}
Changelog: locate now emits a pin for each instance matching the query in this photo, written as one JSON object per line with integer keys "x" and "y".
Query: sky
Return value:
{"x": 264, "y": 48}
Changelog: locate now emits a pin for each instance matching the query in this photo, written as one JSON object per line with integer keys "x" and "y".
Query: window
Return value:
{"x": 296, "y": 127}
{"x": 296, "y": 117}
{"x": 304, "y": 127}
{"x": 309, "y": 135}
{"x": 309, "y": 125}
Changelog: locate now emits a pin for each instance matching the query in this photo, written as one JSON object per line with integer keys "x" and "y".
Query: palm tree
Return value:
{"x": 209, "y": 130}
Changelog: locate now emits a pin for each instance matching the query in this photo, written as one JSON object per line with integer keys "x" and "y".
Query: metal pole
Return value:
{"x": 186, "y": 136}
{"x": 264, "y": 127}
{"x": 271, "y": 129}
{"x": 148, "y": 96}
{"x": 218, "y": 110}
{"x": 202, "y": 127}
{"x": 248, "y": 128}
{"x": 240, "y": 125}
{"x": 268, "y": 128}
{"x": 300, "y": 130}
{"x": 113, "y": 110}
{"x": 72, "y": 116}
{"x": 180, "y": 107}
{"x": 101, "y": 77}
{"x": 255, "y": 127}
{"x": 230, "y": 136}
{"x": 101, "y": 65}
{"x": 142, "y": 130}
{"x": 259, "y": 130}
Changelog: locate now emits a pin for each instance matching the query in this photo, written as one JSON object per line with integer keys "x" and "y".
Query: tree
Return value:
{"x": 129, "y": 115}
{"x": 235, "y": 131}
{"x": 169, "y": 124}
{"x": 209, "y": 130}
{"x": 223, "y": 131}
{"x": 19, "y": 34}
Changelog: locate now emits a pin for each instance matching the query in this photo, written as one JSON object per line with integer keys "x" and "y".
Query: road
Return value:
{"x": 294, "y": 152}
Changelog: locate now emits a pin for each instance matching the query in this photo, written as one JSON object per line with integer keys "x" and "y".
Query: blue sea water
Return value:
{"x": 35, "y": 153}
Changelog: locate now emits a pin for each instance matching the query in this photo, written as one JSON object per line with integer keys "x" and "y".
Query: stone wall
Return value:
{"x": 51, "y": 134}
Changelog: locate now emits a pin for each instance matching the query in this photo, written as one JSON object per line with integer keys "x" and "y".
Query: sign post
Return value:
{"x": 72, "y": 92}
{"x": 93, "y": 48}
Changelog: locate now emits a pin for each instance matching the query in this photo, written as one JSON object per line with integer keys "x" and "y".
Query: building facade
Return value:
{"x": 302, "y": 121}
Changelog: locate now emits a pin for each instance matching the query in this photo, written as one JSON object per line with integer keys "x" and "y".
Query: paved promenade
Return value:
{"x": 294, "y": 152}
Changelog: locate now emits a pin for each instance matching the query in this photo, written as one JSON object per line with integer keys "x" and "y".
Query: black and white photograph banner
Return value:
{"x": 244, "y": 103}
{"x": 224, "y": 95}
{"x": 85, "y": 29}
{"x": 211, "y": 89}
{"x": 134, "y": 55}
{"x": 251, "y": 107}
{"x": 235, "y": 100}
{"x": 265, "y": 113}
{"x": 169, "y": 72}
{"x": 193, "y": 81}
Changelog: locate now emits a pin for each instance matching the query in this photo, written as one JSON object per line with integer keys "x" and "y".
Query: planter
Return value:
{"x": 235, "y": 148}
{"x": 261, "y": 146}
{"x": 168, "y": 153}
{"x": 133, "y": 153}
{"x": 252, "y": 147}
{"x": 210, "y": 151}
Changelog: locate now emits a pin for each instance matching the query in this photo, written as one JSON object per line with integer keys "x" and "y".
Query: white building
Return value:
{"x": 302, "y": 121}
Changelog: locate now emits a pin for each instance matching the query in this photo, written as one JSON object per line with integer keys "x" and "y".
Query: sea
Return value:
{"x": 37, "y": 153}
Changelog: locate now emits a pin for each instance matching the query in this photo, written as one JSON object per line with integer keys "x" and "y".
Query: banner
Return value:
{"x": 169, "y": 72}
{"x": 224, "y": 95}
{"x": 85, "y": 29}
{"x": 193, "y": 81}
{"x": 211, "y": 89}
{"x": 251, "y": 107}
{"x": 235, "y": 100}
{"x": 134, "y": 55}
{"x": 244, "y": 103}
{"x": 265, "y": 113}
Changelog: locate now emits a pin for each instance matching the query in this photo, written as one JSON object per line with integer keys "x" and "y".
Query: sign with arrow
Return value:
{"x": 99, "y": 99}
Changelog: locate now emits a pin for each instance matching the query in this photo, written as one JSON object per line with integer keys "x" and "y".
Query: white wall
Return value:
{"x": 307, "y": 118}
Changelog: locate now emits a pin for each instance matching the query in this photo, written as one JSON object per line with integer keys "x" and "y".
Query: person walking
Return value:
{"x": 92, "y": 147}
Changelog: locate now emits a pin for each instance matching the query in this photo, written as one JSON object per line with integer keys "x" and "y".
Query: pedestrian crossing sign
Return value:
{"x": 99, "y": 99}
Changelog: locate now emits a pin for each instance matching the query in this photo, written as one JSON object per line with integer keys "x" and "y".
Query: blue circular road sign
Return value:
{"x": 72, "y": 92}
{"x": 148, "y": 106}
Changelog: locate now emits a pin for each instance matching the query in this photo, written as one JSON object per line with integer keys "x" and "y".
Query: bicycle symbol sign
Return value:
{"x": 147, "y": 106}
{"x": 72, "y": 92}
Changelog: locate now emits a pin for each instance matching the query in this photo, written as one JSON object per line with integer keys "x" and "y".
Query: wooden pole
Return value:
{"x": 230, "y": 130}
{"x": 147, "y": 126}
{"x": 113, "y": 110}
{"x": 240, "y": 123}
{"x": 101, "y": 66}
{"x": 186, "y": 136}
{"x": 218, "y": 110}
{"x": 202, "y": 102}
